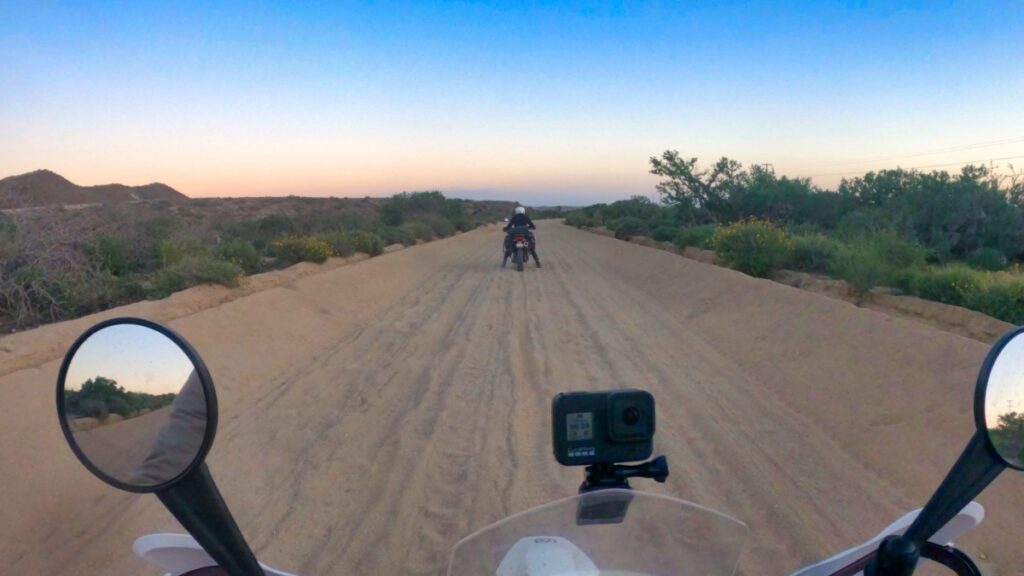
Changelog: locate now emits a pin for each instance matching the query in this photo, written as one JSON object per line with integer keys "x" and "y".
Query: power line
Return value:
{"x": 983, "y": 161}
{"x": 960, "y": 148}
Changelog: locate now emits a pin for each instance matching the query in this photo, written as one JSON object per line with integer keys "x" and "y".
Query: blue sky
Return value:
{"x": 540, "y": 101}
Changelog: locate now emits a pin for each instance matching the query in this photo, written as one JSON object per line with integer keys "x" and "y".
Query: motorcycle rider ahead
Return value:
{"x": 520, "y": 219}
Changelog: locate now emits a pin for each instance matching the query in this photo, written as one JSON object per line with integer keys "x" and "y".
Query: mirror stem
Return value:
{"x": 199, "y": 507}
{"x": 973, "y": 471}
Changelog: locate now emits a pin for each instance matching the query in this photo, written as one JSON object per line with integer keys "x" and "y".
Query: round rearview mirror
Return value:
{"x": 999, "y": 399}
{"x": 136, "y": 404}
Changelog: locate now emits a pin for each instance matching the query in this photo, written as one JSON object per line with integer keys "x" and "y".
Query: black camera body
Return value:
{"x": 602, "y": 427}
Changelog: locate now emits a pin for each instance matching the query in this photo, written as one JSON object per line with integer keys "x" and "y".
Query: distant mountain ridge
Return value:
{"x": 45, "y": 188}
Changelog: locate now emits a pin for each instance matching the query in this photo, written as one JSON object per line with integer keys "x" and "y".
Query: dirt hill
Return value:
{"x": 45, "y": 188}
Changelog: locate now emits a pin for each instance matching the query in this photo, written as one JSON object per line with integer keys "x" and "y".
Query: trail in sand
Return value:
{"x": 373, "y": 414}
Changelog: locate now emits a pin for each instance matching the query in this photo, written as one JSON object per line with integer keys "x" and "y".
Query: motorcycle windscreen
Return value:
{"x": 605, "y": 533}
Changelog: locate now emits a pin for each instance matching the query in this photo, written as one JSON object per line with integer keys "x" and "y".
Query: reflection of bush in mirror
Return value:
{"x": 99, "y": 397}
{"x": 1008, "y": 436}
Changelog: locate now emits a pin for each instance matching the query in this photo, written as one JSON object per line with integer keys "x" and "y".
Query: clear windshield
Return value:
{"x": 606, "y": 533}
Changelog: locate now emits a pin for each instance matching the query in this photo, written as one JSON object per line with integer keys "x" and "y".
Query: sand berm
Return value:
{"x": 374, "y": 413}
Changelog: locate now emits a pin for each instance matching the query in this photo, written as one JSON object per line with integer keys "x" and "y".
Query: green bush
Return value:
{"x": 276, "y": 225}
{"x": 114, "y": 254}
{"x": 85, "y": 291}
{"x": 294, "y": 249}
{"x": 195, "y": 270}
{"x": 755, "y": 247}
{"x": 665, "y": 233}
{"x": 242, "y": 253}
{"x": 862, "y": 269}
{"x": 340, "y": 242}
{"x": 813, "y": 252}
{"x": 804, "y": 229}
{"x": 578, "y": 218}
{"x": 953, "y": 284}
{"x": 442, "y": 228}
{"x": 462, "y": 223}
{"x": 696, "y": 236}
{"x": 877, "y": 259}
{"x": 629, "y": 226}
{"x": 99, "y": 397}
{"x": 391, "y": 214}
{"x": 366, "y": 242}
{"x": 418, "y": 230}
{"x": 8, "y": 227}
{"x": 987, "y": 259}
{"x": 392, "y": 235}
{"x": 1001, "y": 297}
{"x": 172, "y": 251}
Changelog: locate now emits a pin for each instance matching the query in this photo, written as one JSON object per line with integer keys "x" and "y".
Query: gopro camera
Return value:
{"x": 602, "y": 427}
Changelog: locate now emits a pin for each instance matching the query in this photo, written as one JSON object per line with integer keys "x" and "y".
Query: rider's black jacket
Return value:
{"x": 519, "y": 220}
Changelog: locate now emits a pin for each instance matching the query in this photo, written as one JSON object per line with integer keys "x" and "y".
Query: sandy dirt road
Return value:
{"x": 373, "y": 414}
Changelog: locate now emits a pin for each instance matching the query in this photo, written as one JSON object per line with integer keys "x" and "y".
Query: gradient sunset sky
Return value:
{"x": 544, "y": 102}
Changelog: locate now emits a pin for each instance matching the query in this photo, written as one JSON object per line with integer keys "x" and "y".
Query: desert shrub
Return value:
{"x": 696, "y": 236}
{"x": 1002, "y": 297}
{"x": 242, "y": 253}
{"x": 114, "y": 254}
{"x": 989, "y": 259}
{"x": 391, "y": 214}
{"x": 803, "y": 229}
{"x": 755, "y": 247}
{"x": 861, "y": 269}
{"x": 195, "y": 270}
{"x": 954, "y": 284}
{"x": 665, "y": 233}
{"x": 392, "y": 235}
{"x": 366, "y": 242}
{"x": 876, "y": 259}
{"x": 26, "y": 295}
{"x": 340, "y": 242}
{"x": 99, "y": 397}
{"x": 863, "y": 222}
{"x": 463, "y": 224}
{"x": 158, "y": 228}
{"x": 441, "y": 227}
{"x": 454, "y": 211}
{"x": 173, "y": 251}
{"x": 294, "y": 249}
{"x": 629, "y": 226}
{"x": 895, "y": 249}
{"x": 7, "y": 227}
{"x": 275, "y": 225}
{"x": 813, "y": 252}
{"x": 131, "y": 288}
{"x": 418, "y": 230}
{"x": 579, "y": 219}
{"x": 83, "y": 291}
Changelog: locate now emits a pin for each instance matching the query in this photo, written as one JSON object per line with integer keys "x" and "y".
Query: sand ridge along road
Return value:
{"x": 375, "y": 413}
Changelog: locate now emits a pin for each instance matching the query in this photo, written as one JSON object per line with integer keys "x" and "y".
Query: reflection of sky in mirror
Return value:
{"x": 1006, "y": 382}
{"x": 138, "y": 358}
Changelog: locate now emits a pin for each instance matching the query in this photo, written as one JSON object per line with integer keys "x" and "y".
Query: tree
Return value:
{"x": 391, "y": 214}
{"x": 707, "y": 190}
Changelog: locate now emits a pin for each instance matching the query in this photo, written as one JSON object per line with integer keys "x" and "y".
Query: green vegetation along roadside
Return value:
{"x": 61, "y": 263}
{"x": 956, "y": 239}
{"x": 100, "y": 397}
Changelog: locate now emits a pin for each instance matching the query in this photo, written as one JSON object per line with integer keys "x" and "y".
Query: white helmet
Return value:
{"x": 520, "y": 210}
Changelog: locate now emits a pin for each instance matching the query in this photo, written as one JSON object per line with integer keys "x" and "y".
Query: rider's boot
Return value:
{"x": 535, "y": 258}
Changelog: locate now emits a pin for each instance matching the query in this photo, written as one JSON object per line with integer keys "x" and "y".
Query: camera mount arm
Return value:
{"x": 604, "y": 476}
